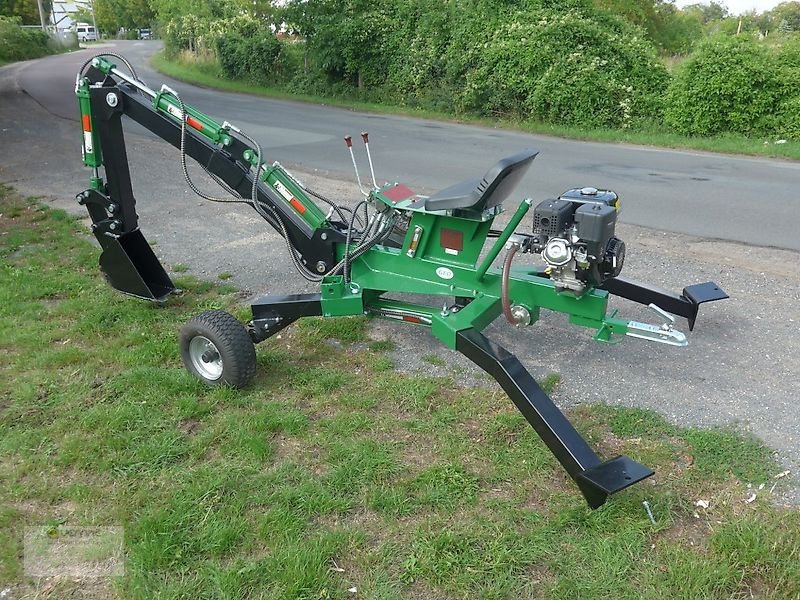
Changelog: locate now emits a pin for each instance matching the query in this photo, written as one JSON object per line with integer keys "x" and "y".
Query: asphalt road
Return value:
{"x": 748, "y": 200}
{"x": 687, "y": 217}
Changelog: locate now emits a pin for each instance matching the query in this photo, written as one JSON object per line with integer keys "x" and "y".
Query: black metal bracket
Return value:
{"x": 686, "y": 305}
{"x": 273, "y": 313}
{"x": 596, "y": 479}
{"x": 103, "y": 212}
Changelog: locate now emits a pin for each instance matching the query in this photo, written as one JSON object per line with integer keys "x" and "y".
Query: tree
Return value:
{"x": 28, "y": 10}
{"x": 680, "y": 33}
{"x": 671, "y": 30}
{"x": 787, "y": 14}
{"x": 166, "y": 10}
{"x": 260, "y": 9}
{"x": 713, "y": 11}
{"x": 345, "y": 37}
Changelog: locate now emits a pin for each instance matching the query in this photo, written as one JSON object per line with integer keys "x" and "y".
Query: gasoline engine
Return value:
{"x": 575, "y": 236}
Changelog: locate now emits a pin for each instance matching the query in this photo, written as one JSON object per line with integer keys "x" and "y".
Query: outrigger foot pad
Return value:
{"x": 700, "y": 293}
{"x": 599, "y": 482}
{"x": 596, "y": 479}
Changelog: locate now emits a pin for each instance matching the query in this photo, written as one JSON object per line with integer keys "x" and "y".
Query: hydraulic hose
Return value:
{"x": 112, "y": 55}
{"x": 358, "y": 230}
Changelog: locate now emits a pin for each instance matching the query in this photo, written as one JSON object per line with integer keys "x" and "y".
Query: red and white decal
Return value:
{"x": 175, "y": 111}
{"x": 88, "y": 146}
{"x": 289, "y": 197}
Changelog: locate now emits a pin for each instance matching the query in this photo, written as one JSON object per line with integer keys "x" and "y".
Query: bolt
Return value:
{"x": 521, "y": 315}
{"x": 323, "y": 237}
{"x": 111, "y": 99}
{"x": 112, "y": 208}
{"x": 321, "y": 266}
{"x": 112, "y": 226}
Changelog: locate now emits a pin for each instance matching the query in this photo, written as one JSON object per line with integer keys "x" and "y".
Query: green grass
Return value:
{"x": 207, "y": 75}
{"x": 332, "y": 471}
{"x": 432, "y": 359}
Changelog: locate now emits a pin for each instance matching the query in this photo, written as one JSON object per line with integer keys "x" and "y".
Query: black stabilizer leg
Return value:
{"x": 596, "y": 479}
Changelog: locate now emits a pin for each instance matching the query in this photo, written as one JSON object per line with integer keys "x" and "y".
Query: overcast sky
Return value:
{"x": 737, "y": 7}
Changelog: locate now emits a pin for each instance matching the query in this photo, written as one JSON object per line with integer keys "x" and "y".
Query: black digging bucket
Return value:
{"x": 131, "y": 266}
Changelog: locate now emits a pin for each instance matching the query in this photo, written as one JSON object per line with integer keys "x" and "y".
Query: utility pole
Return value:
{"x": 94, "y": 22}
{"x": 41, "y": 14}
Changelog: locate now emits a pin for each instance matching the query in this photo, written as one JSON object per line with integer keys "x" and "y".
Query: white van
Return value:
{"x": 85, "y": 32}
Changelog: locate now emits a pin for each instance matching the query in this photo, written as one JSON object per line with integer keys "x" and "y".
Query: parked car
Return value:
{"x": 145, "y": 34}
{"x": 85, "y": 32}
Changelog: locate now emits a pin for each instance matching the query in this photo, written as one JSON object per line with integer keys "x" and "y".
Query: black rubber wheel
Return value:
{"x": 216, "y": 348}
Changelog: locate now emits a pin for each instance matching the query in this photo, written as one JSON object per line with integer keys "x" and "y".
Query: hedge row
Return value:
{"x": 737, "y": 84}
{"x": 568, "y": 67}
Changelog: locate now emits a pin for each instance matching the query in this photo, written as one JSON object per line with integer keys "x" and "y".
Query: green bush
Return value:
{"x": 258, "y": 58}
{"x": 575, "y": 92}
{"x": 574, "y": 68}
{"x": 787, "y": 122}
{"x": 185, "y": 33}
{"x": 17, "y": 43}
{"x": 728, "y": 84}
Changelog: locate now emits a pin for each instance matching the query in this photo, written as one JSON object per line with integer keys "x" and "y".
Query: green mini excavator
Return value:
{"x": 368, "y": 257}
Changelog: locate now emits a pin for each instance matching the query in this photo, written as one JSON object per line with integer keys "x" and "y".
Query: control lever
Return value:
{"x": 365, "y": 139}
{"x": 349, "y": 141}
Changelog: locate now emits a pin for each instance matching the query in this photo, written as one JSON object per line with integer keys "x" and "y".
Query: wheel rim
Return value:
{"x": 205, "y": 358}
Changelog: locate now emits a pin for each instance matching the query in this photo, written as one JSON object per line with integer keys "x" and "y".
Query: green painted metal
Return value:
{"x": 611, "y": 327}
{"x": 92, "y": 156}
{"x": 391, "y": 270}
{"x": 478, "y": 314}
{"x": 167, "y": 104}
{"x": 447, "y": 240}
{"x": 103, "y": 64}
{"x": 446, "y": 260}
{"x": 340, "y": 299}
{"x": 287, "y": 188}
{"x": 501, "y": 241}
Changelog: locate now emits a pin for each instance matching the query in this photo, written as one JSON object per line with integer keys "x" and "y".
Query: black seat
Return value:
{"x": 482, "y": 193}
